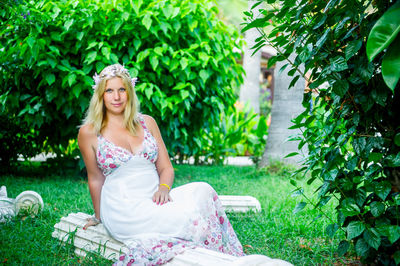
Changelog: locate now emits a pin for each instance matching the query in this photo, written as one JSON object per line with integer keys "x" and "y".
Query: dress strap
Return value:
{"x": 141, "y": 119}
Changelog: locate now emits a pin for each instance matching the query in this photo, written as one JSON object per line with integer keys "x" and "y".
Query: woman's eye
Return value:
{"x": 122, "y": 89}
{"x": 108, "y": 90}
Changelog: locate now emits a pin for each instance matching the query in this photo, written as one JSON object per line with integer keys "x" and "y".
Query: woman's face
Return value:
{"x": 115, "y": 96}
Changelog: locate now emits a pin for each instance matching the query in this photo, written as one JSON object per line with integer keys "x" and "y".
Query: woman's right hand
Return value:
{"x": 91, "y": 222}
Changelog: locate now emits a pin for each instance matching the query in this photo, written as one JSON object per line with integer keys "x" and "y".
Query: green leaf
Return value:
{"x": 340, "y": 87}
{"x": 52, "y": 62}
{"x": 114, "y": 58}
{"x": 184, "y": 62}
{"x": 71, "y": 79}
{"x": 338, "y": 64}
{"x": 396, "y": 257}
{"x": 91, "y": 45}
{"x": 297, "y": 192}
{"x": 391, "y": 64}
{"x": 56, "y": 11}
{"x": 50, "y": 78}
{"x": 299, "y": 207}
{"x": 184, "y": 94}
{"x": 167, "y": 10}
{"x": 90, "y": 57}
{"x": 147, "y": 21}
{"x": 142, "y": 55}
{"x": 354, "y": 229}
{"x": 283, "y": 68}
{"x": 125, "y": 16}
{"x": 80, "y": 35}
{"x": 136, "y": 5}
{"x": 291, "y": 72}
{"x": 397, "y": 139}
{"x": 116, "y": 26}
{"x": 362, "y": 247}
{"x": 322, "y": 40}
{"x": 382, "y": 189}
{"x": 257, "y": 23}
{"x": 384, "y": 31}
{"x": 372, "y": 237}
{"x": 149, "y": 92}
{"x": 204, "y": 75}
{"x": 359, "y": 145}
{"x": 90, "y": 21}
{"x": 331, "y": 230}
{"x": 377, "y": 208}
{"x": 323, "y": 201}
{"x": 349, "y": 207}
{"x": 320, "y": 21}
{"x": 393, "y": 233}
{"x": 291, "y": 154}
{"x": 293, "y": 82}
{"x": 31, "y": 42}
{"x": 99, "y": 66}
{"x": 154, "y": 62}
{"x": 343, "y": 247}
{"x": 393, "y": 161}
{"x": 76, "y": 91}
{"x": 375, "y": 157}
{"x": 352, "y": 48}
{"x": 68, "y": 24}
{"x": 106, "y": 51}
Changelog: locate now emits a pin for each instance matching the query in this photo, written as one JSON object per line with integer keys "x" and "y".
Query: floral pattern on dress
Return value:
{"x": 111, "y": 156}
{"x": 211, "y": 229}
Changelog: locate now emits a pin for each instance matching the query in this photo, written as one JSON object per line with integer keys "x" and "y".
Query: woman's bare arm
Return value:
{"x": 87, "y": 141}
{"x": 163, "y": 164}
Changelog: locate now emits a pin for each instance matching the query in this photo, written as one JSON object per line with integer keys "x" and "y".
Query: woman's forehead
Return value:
{"x": 115, "y": 82}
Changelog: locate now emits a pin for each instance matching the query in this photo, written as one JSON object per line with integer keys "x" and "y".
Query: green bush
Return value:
{"x": 183, "y": 55}
{"x": 238, "y": 132}
{"x": 352, "y": 126}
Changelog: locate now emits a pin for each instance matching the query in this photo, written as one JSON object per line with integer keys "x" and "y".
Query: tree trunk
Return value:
{"x": 286, "y": 106}
{"x": 250, "y": 90}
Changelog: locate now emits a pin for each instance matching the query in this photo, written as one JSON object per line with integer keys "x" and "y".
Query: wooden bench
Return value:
{"x": 96, "y": 239}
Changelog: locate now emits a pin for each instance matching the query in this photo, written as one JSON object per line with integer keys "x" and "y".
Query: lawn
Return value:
{"x": 275, "y": 232}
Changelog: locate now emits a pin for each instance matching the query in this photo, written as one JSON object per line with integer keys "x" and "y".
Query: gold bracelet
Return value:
{"x": 166, "y": 186}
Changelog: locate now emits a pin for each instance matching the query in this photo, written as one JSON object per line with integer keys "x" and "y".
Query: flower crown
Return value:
{"x": 112, "y": 71}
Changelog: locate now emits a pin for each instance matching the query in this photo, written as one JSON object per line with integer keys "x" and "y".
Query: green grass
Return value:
{"x": 275, "y": 232}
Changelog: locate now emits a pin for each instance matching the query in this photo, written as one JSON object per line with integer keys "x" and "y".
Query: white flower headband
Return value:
{"x": 112, "y": 71}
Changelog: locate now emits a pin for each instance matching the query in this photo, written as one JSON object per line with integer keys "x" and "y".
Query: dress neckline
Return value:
{"x": 140, "y": 146}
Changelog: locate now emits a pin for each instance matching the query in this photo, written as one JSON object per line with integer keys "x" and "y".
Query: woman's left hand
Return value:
{"x": 162, "y": 196}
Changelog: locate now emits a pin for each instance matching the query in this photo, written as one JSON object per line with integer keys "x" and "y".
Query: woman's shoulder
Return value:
{"x": 148, "y": 119}
{"x": 150, "y": 122}
{"x": 87, "y": 131}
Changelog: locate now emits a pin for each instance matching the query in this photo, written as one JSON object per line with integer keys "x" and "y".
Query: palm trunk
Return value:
{"x": 286, "y": 106}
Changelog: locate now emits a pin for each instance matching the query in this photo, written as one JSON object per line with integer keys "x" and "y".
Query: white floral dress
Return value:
{"x": 156, "y": 233}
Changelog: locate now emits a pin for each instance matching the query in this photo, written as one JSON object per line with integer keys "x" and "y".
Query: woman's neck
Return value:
{"x": 115, "y": 121}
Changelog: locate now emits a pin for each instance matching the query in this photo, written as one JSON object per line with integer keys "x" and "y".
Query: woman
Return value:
{"x": 130, "y": 178}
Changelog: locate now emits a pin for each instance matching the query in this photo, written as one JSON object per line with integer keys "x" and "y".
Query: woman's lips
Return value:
{"x": 117, "y": 104}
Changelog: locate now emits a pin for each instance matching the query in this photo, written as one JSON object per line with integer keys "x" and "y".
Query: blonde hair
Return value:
{"x": 96, "y": 113}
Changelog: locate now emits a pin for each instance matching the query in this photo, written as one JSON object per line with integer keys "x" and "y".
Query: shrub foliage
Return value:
{"x": 184, "y": 57}
{"x": 351, "y": 126}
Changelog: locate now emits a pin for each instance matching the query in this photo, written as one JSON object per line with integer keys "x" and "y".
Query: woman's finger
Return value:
{"x": 162, "y": 201}
{"x": 86, "y": 226}
{"x": 166, "y": 198}
{"x": 158, "y": 198}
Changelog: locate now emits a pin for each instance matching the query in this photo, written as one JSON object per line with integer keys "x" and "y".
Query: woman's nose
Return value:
{"x": 116, "y": 95}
